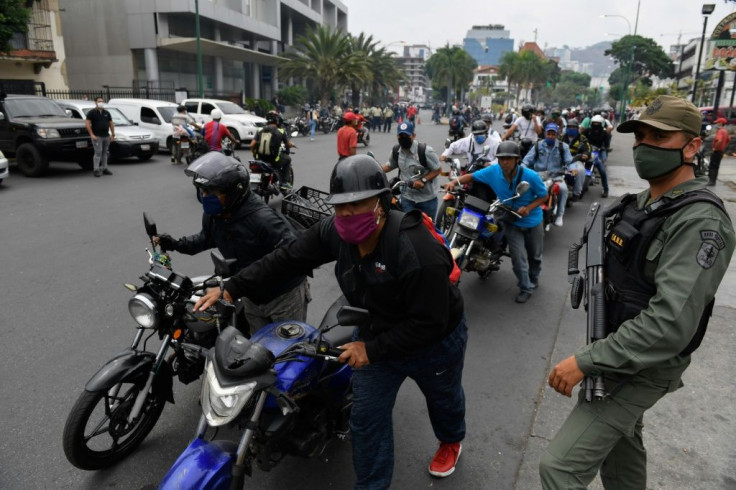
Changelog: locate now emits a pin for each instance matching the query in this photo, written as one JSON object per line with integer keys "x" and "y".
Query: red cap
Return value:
{"x": 349, "y": 117}
{"x": 721, "y": 120}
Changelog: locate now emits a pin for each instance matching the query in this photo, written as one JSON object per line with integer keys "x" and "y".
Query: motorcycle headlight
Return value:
{"x": 142, "y": 308}
{"x": 48, "y": 133}
{"x": 469, "y": 219}
{"x": 221, "y": 405}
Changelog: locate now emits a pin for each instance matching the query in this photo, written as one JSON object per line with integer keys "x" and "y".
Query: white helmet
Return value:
{"x": 598, "y": 119}
{"x": 565, "y": 112}
{"x": 216, "y": 114}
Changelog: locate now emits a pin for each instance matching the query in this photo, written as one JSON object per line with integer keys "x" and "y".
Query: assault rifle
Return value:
{"x": 590, "y": 286}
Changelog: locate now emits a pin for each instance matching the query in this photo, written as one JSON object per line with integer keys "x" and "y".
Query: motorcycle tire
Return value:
{"x": 442, "y": 221}
{"x": 326, "y": 128}
{"x": 76, "y": 439}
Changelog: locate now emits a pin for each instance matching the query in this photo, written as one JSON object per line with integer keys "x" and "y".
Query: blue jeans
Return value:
{"x": 561, "y": 199}
{"x": 438, "y": 372}
{"x": 312, "y": 127}
{"x": 429, "y": 207}
{"x": 525, "y": 247}
{"x": 601, "y": 166}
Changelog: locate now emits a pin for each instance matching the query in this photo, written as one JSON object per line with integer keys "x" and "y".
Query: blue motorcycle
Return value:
{"x": 282, "y": 386}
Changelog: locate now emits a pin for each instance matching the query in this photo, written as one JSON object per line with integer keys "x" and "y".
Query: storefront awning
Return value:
{"x": 215, "y": 48}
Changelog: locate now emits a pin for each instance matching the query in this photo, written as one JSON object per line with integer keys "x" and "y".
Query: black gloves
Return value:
{"x": 167, "y": 242}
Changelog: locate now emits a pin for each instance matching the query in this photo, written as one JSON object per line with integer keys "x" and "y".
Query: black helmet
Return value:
{"x": 273, "y": 117}
{"x": 479, "y": 127}
{"x": 355, "y": 178}
{"x": 487, "y": 117}
{"x": 508, "y": 149}
{"x": 527, "y": 110}
{"x": 573, "y": 123}
{"x": 214, "y": 171}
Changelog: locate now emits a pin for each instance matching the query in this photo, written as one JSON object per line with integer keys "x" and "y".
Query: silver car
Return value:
{"x": 4, "y": 172}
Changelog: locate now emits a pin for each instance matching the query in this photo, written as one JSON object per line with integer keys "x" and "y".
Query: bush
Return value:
{"x": 295, "y": 95}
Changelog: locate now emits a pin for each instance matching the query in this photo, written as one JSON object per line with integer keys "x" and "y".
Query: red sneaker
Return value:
{"x": 445, "y": 459}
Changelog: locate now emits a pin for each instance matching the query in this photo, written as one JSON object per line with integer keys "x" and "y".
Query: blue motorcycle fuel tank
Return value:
{"x": 202, "y": 465}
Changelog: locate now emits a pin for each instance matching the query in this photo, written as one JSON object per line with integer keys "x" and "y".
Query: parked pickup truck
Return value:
{"x": 36, "y": 130}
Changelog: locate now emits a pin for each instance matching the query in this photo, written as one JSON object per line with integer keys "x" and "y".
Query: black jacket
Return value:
{"x": 412, "y": 308}
{"x": 252, "y": 231}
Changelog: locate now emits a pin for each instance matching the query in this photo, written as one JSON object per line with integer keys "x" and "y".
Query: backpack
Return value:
{"x": 421, "y": 150}
{"x": 455, "y": 123}
{"x": 508, "y": 118}
{"x": 392, "y": 241}
{"x": 269, "y": 144}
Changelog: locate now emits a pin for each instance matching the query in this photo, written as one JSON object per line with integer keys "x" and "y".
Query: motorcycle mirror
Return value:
{"x": 150, "y": 226}
{"x": 294, "y": 134}
{"x": 522, "y": 187}
{"x": 350, "y": 316}
{"x": 223, "y": 267}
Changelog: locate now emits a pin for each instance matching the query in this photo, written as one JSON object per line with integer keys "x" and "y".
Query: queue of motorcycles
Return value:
{"x": 282, "y": 387}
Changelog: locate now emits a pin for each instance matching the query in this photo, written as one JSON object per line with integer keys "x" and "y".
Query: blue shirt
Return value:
{"x": 493, "y": 176}
{"x": 544, "y": 158}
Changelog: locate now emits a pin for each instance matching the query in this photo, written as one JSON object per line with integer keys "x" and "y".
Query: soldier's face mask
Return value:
{"x": 652, "y": 162}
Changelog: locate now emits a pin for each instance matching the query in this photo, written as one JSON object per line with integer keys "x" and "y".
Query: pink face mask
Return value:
{"x": 357, "y": 228}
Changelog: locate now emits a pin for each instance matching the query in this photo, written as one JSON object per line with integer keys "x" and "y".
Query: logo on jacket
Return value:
{"x": 708, "y": 252}
{"x": 379, "y": 267}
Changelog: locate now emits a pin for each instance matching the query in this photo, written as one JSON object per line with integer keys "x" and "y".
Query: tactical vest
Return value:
{"x": 628, "y": 286}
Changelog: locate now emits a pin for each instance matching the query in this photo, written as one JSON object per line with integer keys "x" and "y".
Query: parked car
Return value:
{"x": 150, "y": 115}
{"x": 35, "y": 130}
{"x": 130, "y": 140}
{"x": 241, "y": 124}
{"x": 4, "y": 172}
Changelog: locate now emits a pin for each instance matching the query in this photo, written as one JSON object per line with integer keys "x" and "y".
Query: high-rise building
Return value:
{"x": 416, "y": 87}
{"x": 147, "y": 43}
{"x": 487, "y": 44}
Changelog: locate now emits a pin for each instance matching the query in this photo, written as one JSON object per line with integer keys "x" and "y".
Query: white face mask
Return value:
{"x": 99, "y": 104}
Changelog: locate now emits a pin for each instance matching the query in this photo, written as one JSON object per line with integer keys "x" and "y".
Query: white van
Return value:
{"x": 241, "y": 124}
{"x": 151, "y": 115}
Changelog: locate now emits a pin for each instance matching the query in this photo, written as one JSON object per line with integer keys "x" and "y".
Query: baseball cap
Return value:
{"x": 349, "y": 116}
{"x": 721, "y": 120}
{"x": 551, "y": 127}
{"x": 667, "y": 113}
{"x": 405, "y": 128}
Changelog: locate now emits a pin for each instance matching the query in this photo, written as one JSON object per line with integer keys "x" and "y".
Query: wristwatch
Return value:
{"x": 424, "y": 180}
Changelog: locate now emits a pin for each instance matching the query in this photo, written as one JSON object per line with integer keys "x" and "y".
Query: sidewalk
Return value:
{"x": 689, "y": 434}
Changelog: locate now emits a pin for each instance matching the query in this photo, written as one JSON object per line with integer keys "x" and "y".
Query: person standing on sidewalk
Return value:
{"x": 666, "y": 251}
{"x": 102, "y": 131}
{"x": 719, "y": 147}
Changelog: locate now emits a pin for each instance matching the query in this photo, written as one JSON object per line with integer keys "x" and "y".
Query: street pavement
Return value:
{"x": 69, "y": 241}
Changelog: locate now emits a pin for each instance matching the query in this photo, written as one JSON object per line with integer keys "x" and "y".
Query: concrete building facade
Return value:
{"x": 153, "y": 42}
{"x": 487, "y": 44}
{"x": 417, "y": 87}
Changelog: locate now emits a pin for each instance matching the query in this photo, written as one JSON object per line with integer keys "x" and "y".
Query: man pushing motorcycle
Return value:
{"x": 418, "y": 325}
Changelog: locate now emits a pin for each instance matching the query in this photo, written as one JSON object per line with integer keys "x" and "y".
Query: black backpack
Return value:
{"x": 421, "y": 150}
{"x": 455, "y": 122}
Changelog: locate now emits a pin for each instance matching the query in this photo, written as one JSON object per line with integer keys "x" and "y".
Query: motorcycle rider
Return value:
{"x": 493, "y": 135}
{"x": 418, "y": 325}
{"x": 580, "y": 151}
{"x": 214, "y": 132}
{"x": 553, "y": 156}
{"x": 475, "y": 145}
{"x": 422, "y": 193}
{"x": 597, "y": 136}
{"x": 242, "y": 227}
{"x": 181, "y": 122}
{"x": 525, "y": 236}
{"x": 457, "y": 124}
{"x": 271, "y": 145}
{"x": 347, "y": 136}
{"x": 528, "y": 125}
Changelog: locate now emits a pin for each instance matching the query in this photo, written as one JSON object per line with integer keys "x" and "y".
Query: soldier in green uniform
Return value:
{"x": 666, "y": 252}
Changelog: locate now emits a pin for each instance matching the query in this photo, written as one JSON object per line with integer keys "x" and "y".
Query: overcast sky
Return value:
{"x": 558, "y": 22}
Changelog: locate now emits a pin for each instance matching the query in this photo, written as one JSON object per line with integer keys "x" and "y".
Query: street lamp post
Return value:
{"x": 627, "y": 72}
{"x": 708, "y": 9}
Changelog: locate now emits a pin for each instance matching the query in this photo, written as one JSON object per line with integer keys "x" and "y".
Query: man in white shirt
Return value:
{"x": 528, "y": 125}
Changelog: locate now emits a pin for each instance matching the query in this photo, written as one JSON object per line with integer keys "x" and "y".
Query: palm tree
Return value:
{"x": 379, "y": 72}
{"x": 324, "y": 59}
{"x": 451, "y": 67}
{"x": 525, "y": 70}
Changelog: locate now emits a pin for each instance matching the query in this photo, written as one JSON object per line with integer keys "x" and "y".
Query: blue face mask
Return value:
{"x": 550, "y": 141}
{"x": 480, "y": 139}
{"x": 573, "y": 133}
{"x": 211, "y": 204}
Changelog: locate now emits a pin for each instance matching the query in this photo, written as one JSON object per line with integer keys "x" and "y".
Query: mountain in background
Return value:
{"x": 601, "y": 64}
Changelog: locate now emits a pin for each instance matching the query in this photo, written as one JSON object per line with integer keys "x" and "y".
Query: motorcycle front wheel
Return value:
{"x": 442, "y": 220}
{"x": 97, "y": 433}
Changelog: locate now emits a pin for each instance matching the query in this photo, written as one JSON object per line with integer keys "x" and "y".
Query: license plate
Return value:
{"x": 255, "y": 178}
{"x": 184, "y": 144}
{"x": 81, "y": 144}
{"x": 145, "y": 147}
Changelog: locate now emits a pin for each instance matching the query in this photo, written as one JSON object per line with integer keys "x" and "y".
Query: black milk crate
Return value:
{"x": 306, "y": 206}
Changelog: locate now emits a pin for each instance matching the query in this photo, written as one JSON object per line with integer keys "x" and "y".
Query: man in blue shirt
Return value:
{"x": 525, "y": 236}
{"x": 553, "y": 156}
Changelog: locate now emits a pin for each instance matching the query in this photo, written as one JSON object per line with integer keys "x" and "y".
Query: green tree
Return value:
{"x": 640, "y": 58}
{"x": 379, "y": 73}
{"x": 527, "y": 71}
{"x": 14, "y": 17}
{"x": 451, "y": 68}
{"x": 324, "y": 59}
{"x": 295, "y": 95}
